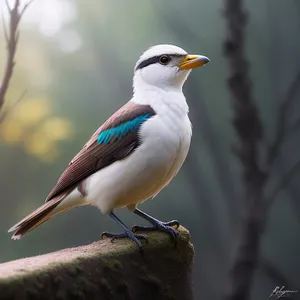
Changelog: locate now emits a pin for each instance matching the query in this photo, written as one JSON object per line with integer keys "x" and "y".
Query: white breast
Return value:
{"x": 165, "y": 143}
{"x": 172, "y": 129}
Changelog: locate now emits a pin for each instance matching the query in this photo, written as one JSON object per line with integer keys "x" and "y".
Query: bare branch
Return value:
{"x": 17, "y": 36}
{"x": 283, "y": 183}
{"x": 7, "y": 6}
{"x": 281, "y": 126}
{"x": 5, "y": 113}
{"x": 4, "y": 28}
{"x": 250, "y": 133}
{"x": 25, "y": 7}
{"x": 11, "y": 38}
{"x": 249, "y": 129}
{"x": 11, "y": 48}
{"x": 274, "y": 274}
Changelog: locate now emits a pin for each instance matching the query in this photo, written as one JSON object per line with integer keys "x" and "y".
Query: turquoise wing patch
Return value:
{"x": 119, "y": 131}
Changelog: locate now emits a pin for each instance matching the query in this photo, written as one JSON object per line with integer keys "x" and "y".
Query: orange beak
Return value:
{"x": 193, "y": 61}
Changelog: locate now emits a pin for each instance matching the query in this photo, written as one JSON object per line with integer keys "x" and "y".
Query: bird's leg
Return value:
{"x": 156, "y": 225}
{"x": 126, "y": 234}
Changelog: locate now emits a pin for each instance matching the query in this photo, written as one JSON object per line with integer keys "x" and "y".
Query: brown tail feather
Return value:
{"x": 37, "y": 217}
{"x": 29, "y": 224}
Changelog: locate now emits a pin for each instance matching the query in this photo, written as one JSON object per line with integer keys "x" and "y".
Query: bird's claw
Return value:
{"x": 173, "y": 223}
{"x": 136, "y": 237}
{"x": 161, "y": 226}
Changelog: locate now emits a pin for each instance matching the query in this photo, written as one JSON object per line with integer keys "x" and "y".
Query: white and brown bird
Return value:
{"x": 135, "y": 153}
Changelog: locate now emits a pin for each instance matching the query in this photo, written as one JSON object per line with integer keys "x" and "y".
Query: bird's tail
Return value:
{"x": 38, "y": 217}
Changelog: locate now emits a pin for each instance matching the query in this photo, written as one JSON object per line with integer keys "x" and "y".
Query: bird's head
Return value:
{"x": 166, "y": 67}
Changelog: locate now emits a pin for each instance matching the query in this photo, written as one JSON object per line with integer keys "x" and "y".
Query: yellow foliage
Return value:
{"x": 56, "y": 129}
{"x": 39, "y": 145}
{"x": 32, "y": 111}
{"x": 33, "y": 125}
{"x": 12, "y": 131}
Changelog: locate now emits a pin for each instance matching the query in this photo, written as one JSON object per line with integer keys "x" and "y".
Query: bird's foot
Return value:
{"x": 127, "y": 234}
{"x": 167, "y": 227}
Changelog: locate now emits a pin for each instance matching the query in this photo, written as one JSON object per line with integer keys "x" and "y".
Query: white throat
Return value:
{"x": 166, "y": 100}
{"x": 141, "y": 84}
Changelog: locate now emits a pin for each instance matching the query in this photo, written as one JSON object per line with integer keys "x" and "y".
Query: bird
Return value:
{"x": 135, "y": 153}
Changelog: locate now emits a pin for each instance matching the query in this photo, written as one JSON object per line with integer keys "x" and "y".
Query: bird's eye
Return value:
{"x": 164, "y": 59}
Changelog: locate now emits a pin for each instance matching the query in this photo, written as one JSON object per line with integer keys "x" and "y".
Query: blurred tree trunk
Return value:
{"x": 248, "y": 126}
{"x": 256, "y": 170}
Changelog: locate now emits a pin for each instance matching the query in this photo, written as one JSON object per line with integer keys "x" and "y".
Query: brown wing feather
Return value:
{"x": 94, "y": 157}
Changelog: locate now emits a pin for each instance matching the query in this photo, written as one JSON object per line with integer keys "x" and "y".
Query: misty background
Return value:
{"x": 75, "y": 60}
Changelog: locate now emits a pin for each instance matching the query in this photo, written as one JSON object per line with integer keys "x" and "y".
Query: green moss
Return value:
{"x": 102, "y": 267}
{"x": 112, "y": 264}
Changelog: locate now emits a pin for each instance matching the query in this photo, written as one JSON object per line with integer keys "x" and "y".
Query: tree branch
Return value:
{"x": 105, "y": 270}
{"x": 283, "y": 183}
{"x": 247, "y": 124}
{"x": 11, "y": 38}
{"x": 25, "y": 7}
{"x": 4, "y": 28}
{"x": 274, "y": 274}
{"x": 281, "y": 126}
{"x": 5, "y": 112}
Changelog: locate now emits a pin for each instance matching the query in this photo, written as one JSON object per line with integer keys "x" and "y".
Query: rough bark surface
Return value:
{"x": 104, "y": 270}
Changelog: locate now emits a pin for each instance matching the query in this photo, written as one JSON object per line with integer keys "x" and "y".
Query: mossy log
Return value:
{"x": 105, "y": 270}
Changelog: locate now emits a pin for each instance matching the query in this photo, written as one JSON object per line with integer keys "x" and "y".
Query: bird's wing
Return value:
{"x": 113, "y": 141}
